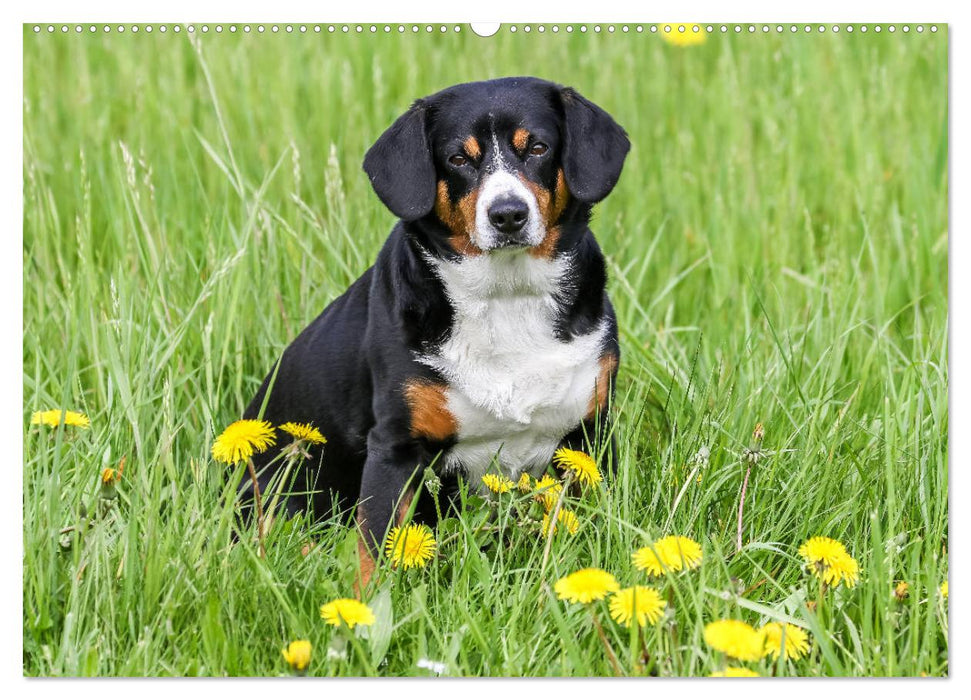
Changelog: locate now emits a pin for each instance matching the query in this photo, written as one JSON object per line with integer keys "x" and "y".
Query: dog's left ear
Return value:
{"x": 594, "y": 148}
{"x": 400, "y": 166}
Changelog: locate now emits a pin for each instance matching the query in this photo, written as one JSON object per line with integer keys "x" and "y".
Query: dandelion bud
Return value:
{"x": 432, "y": 482}
{"x": 753, "y": 453}
{"x": 109, "y": 479}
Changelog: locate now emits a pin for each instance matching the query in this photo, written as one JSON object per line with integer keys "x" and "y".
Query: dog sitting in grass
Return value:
{"x": 482, "y": 337}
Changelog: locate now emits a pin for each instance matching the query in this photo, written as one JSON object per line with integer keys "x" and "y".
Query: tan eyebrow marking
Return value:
{"x": 472, "y": 147}
{"x": 519, "y": 139}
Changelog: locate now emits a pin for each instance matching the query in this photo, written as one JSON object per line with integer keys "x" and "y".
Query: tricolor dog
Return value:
{"x": 482, "y": 337}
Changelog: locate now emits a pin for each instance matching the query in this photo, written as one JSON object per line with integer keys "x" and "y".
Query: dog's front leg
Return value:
{"x": 388, "y": 487}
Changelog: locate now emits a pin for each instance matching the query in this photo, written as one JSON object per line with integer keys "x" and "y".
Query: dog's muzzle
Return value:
{"x": 508, "y": 216}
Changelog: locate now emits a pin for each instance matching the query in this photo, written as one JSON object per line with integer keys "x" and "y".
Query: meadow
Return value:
{"x": 778, "y": 254}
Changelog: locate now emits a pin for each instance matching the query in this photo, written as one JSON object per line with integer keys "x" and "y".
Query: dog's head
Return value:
{"x": 498, "y": 164}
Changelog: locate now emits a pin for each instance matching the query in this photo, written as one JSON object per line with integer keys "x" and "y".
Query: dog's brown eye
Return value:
{"x": 458, "y": 160}
{"x": 538, "y": 149}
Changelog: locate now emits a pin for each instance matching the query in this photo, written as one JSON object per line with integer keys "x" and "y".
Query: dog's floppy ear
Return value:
{"x": 594, "y": 148}
{"x": 400, "y": 166}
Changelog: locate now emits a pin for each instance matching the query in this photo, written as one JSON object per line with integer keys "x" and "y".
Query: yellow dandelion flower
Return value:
{"x": 548, "y": 491}
{"x": 567, "y": 518}
{"x": 241, "y": 439}
{"x": 56, "y": 416}
{"x": 735, "y": 672}
{"x": 298, "y": 654}
{"x": 796, "y": 641}
{"x": 828, "y": 559}
{"x": 735, "y": 638}
{"x": 901, "y": 591}
{"x": 580, "y": 463}
{"x": 672, "y": 553}
{"x": 412, "y": 545}
{"x": 586, "y": 585}
{"x": 305, "y": 432}
{"x": 638, "y": 602}
{"x": 347, "y": 610}
{"x": 525, "y": 483}
{"x": 683, "y": 33}
{"x": 944, "y": 590}
{"x": 497, "y": 483}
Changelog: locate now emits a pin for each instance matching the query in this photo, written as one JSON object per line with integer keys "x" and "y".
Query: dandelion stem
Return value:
{"x": 554, "y": 514}
{"x": 673, "y": 631}
{"x": 741, "y": 509}
{"x": 603, "y": 638}
{"x": 352, "y": 638}
{"x": 677, "y": 500}
{"x": 647, "y": 660}
{"x": 480, "y": 529}
{"x": 275, "y": 488}
{"x": 438, "y": 509}
{"x": 259, "y": 506}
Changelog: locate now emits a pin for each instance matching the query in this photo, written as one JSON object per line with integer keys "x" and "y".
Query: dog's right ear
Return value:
{"x": 401, "y": 168}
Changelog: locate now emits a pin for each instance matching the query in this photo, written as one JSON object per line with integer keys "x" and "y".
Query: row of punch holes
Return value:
{"x": 482, "y": 30}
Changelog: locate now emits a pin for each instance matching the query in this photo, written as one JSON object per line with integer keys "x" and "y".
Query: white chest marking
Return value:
{"x": 514, "y": 389}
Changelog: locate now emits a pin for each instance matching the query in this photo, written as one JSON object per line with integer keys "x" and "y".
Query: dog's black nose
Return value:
{"x": 508, "y": 215}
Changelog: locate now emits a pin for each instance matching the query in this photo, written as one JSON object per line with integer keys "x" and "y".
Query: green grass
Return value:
{"x": 777, "y": 252}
